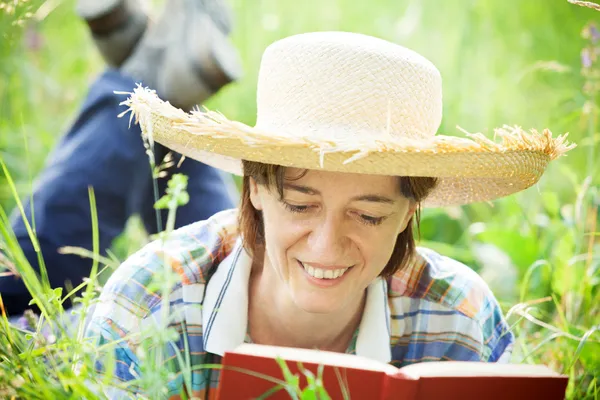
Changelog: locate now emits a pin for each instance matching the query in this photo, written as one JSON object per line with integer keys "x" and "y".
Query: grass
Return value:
{"x": 523, "y": 63}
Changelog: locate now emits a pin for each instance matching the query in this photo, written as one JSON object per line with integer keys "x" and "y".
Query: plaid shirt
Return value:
{"x": 435, "y": 309}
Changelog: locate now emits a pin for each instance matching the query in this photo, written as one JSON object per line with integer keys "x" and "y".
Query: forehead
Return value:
{"x": 326, "y": 181}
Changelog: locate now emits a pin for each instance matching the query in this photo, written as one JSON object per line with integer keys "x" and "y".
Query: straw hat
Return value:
{"x": 347, "y": 102}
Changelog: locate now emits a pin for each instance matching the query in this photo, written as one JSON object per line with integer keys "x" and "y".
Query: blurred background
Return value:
{"x": 531, "y": 63}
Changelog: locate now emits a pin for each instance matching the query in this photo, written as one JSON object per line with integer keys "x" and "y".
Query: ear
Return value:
{"x": 254, "y": 194}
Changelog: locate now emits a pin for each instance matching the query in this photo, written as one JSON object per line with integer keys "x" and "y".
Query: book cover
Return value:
{"x": 254, "y": 371}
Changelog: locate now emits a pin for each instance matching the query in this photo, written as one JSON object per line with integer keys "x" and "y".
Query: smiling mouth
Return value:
{"x": 320, "y": 273}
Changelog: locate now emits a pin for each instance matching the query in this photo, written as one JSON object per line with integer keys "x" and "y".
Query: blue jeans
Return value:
{"x": 102, "y": 151}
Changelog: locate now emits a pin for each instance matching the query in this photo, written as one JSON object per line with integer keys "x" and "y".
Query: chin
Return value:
{"x": 317, "y": 304}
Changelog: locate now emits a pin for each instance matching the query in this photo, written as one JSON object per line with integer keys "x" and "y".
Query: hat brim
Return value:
{"x": 469, "y": 170}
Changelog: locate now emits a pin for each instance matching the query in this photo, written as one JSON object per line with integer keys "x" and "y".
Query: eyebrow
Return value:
{"x": 313, "y": 192}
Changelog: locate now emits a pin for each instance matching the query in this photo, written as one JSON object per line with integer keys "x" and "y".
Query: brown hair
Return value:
{"x": 272, "y": 176}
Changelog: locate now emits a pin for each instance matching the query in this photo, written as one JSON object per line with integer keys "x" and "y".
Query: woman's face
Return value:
{"x": 331, "y": 235}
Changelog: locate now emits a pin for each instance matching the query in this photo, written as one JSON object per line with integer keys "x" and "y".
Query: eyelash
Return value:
{"x": 373, "y": 221}
{"x": 364, "y": 219}
{"x": 295, "y": 209}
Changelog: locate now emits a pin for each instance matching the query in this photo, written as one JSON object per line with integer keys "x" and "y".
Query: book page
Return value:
{"x": 316, "y": 357}
{"x": 462, "y": 368}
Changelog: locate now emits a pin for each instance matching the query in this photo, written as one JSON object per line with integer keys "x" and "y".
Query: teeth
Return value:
{"x": 324, "y": 273}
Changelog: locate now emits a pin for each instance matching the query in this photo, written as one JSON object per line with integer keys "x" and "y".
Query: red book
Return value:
{"x": 253, "y": 370}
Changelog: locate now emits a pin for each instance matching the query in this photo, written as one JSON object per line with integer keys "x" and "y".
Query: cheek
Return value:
{"x": 377, "y": 249}
{"x": 282, "y": 232}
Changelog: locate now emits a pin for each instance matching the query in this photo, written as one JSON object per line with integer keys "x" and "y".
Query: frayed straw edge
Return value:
{"x": 588, "y": 4}
{"x": 143, "y": 103}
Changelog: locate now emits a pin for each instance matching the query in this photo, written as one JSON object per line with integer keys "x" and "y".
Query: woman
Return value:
{"x": 321, "y": 252}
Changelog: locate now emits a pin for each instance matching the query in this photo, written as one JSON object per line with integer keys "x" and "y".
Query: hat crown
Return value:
{"x": 343, "y": 84}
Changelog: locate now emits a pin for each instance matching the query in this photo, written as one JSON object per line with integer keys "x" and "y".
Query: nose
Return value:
{"x": 327, "y": 240}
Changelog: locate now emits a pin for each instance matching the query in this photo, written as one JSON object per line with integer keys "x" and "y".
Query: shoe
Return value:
{"x": 186, "y": 55}
{"x": 115, "y": 25}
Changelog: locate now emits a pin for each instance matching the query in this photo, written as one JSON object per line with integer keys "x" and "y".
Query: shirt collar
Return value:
{"x": 225, "y": 310}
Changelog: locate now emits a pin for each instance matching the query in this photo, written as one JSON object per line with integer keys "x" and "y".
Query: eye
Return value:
{"x": 295, "y": 208}
{"x": 369, "y": 220}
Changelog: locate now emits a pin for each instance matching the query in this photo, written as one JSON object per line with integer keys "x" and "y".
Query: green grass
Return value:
{"x": 502, "y": 62}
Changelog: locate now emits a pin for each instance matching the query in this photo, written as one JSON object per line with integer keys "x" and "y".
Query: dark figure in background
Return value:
{"x": 186, "y": 57}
